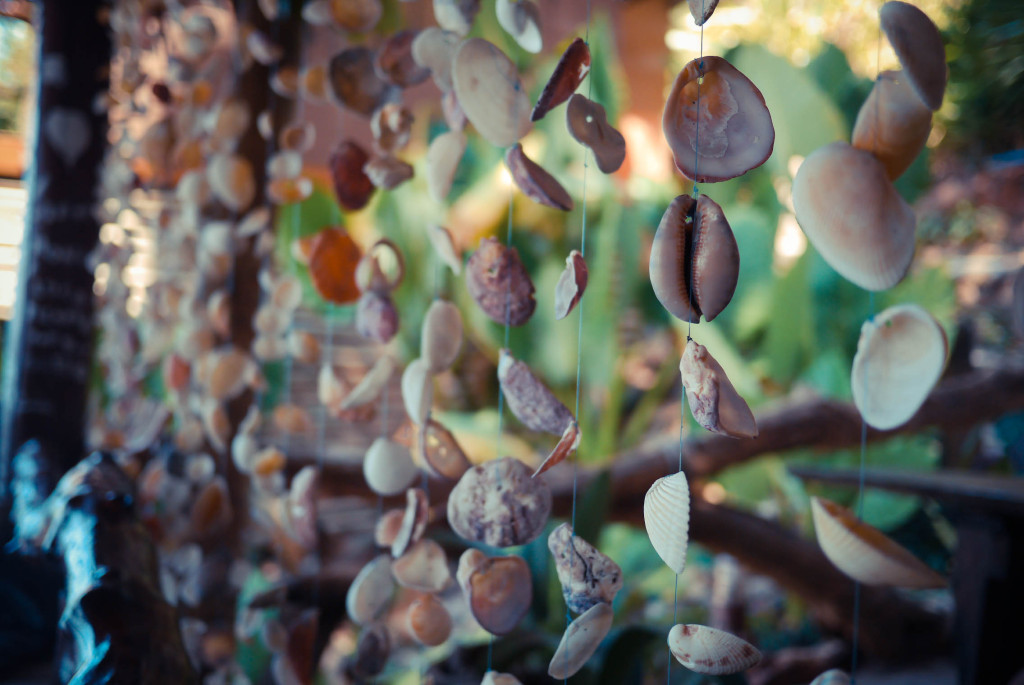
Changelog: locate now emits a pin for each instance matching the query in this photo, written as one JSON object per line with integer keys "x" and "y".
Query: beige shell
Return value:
{"x": 443, "y": 156}
{"x": 535, "y": 182}
{"x": 588, "y": 577}
{"x": 588, "y": 124}
{"x": 291, "y": 418}
{"x": 231, "y": 181}
{"x": 469, "y": 562}
{"x": 423, "y": 567}
{"x": 713, "y": 400}
{"x": 711, "y": 651}
{"x": 900, "y": 357}
{"x": 371, "y": 591}
{"x": 313, "y": 81}
{"x": 529, "y": 399}
{"x": 893, "y": 124}
{"x": 301, "y": 507}
{"x": 441, "y": 336}
{"x": 701, "y": 10}
{"x": 521, "y": 18}
{"x": 580, "y": 640}
{"x": 866, "y": 554}
{"x": 413, "y": 522}
{"x": 495, "y": 678}
{"x": 435, "y": 49}
{"x": 571, "y": 284}
{"x": 499, "y": 591}
{"x": 566, "y": 446}
{"x": 832, "y": 676}
{"x": 428, "y": 621}
{"x": 440, "y": 452}
{"x": 441, "y": 238}
{"x": 854, "y": 217}
{"x": 391, "y": 126}
{"x": 268, "y": 461}
{"x": 918, "y": 45}
{"x": 230, "y": 371}
{"x": 417, "y": 390}
{"x": 297, "y": 137}
{"x": 490, "y": 93}
{"x": 232, "y": 120}
{"x": 387, "y": 172}
{"x": 388, "y": 467}
{"x": 387, "y": 528}
{"x": 304, "y": 347}
{"x": 372, "y": 384}
{"x": 667, "y": 519}
{"x": 499, "y": 504}
{"x": 456, "y": 15}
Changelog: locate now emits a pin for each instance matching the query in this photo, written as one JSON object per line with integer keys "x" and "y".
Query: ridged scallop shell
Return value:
{"x": 667, "y": 519}
{"x": 428, "y": 621}
{"x": 713, "y": 400}
{"x": 587, "y": 576}
{"x": 893, "y": 124}
{"x": 580, "y": 640}
{"x": 441, "y": 336}
{"x": 417, "y": 390}
{"x": 388, "y": 467}
{"x": 423, "y": 567}
{"x": 499, "y": 591}
{"x": 918, "y": 45}
{"x": 866, "y": 554}
{"x": 900, "y": 357}
{"x": 499, "y": 504}
{"x": 569, "y": 73}
{"x": 854, "y": 217}
{"x": 370, "y": 591}
{"x": 832, "y": 676}
{"x": 443, "y": 156}
{"x": 711, "y": 651}
{"x": 529, "y": 399}
{"x": 490, "y": 93}
{"x": 521, "y": 18}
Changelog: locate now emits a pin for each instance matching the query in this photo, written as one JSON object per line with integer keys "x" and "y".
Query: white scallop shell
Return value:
{"x": 580, "y": 641}
{"x": 900, "y": 357}
{"x": 441, "y": 336}
{"x": 711, "y": 651}
{"x": 371, "y": 591}
{"x": 417, "y": 390}
{"x": 388, "y": 467}
{"x": 667, "y": 519}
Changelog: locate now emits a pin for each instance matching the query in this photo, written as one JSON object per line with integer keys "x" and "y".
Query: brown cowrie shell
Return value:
{"x": 713, "y": 400}
{"x": 893, "y": 124}
{"x": 452, "y": 110}
{"x": 580, "y": 640}
{"x": 498, "y": 504}
{"x": 387, "y": 172}
{"x": 395, "y": 63}
{"x": 521, "y": 19}
{"x": 434, "y": 49}
{"x": 571, "y": 285}
{"x": 437, "y": 449}
{"x": 428, "y": 621}
{"x": 711, "y": 651}
{"x": 441, "y": 335}
{"x": 918, "y": 45}
{"x": 588, "y": 577}
{"x": 456, "y": 15}
{"x": 443, "y": 157}
{"x": 490, "y": 93}
{"x": 385, "y": 532}
{"x": 536, "y": 183}
{"x": 695, "y": 261}
{"x": 499, "y": 283}
{"x": 567, "y": 77}
{"x": 566, "y": 445}
{"x": 376, "y": 317}
{"x": 355, "y": 84}
{"x": 423, "y": 567}
{"x": 381, "y": 269}
{"x": 499, "y": 591}
{"x": 413, "y": 523}
{"x": 417, "y": 390}
{"x": 701, "y": 10}
{"x": 441, "y": 238}
{"x": 529, "y": 399}
{"x": 391, "y": 125}
{"x": 352, "y": 186}
{"x": 588, "y": 124}
{"x": 733, "y": 122}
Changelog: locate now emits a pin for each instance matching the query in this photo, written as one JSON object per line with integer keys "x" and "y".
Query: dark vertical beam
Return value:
{"x": 49, "y": 339}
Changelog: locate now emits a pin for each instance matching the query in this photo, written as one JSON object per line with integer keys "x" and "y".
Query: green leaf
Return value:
{"x": 592, "y": 508}
{"x": 625, "y": 658}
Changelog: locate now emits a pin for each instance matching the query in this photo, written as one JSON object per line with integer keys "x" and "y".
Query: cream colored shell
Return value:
{"x": 711, "y": 651}
{"x": 667, "y": 519}
{"x": 580, "y": 640}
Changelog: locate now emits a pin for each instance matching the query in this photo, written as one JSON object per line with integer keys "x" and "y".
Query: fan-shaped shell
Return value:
{"x": 388, "y": 467}
{"x": 371, "y": 590}
{"x": 832, "y": 677}
{"x": 580, "y": 640}
{"x": 711, "y": 651}
{"x": 441, "y": 337}
{"x": 866, "y": 554}
{"x": 536, "y": 183}
{"x": 489, "y": 91}
{"x": 443, "y": 156}
{"x": 918, "y": 45}
{"x": 569, "y": 73}
{"x": 713, "y": 400}
{"x": 499, "y": 591}
{"x": 667, "y": 519}
{"x": 521, "y": 18}
{"x": 417, "y": 390}
{"x": 588, "y": 577}
{"x": 423, "y": 567}
{"x": 893, "y": 124}
{"x": 428, "y": 621}
{"x": 900, "y": 357}
{"x": 529, "y": 399}
{"x": 499, "y": 504}
{"x": 854, "y": 217}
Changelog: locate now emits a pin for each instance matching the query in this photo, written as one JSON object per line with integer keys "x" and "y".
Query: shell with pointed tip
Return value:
{"x": 893, "y": 124}
{"x": 388, "y": 467}
{"x": 499, "y": 504}
{"x": 490, "y": 93}
{"x": 428, "y": 621}
{"x": 495, "y": 678}
{"x": 499, "y": 283}
{"x": 301, "y": 507}
{"x": 372, "y": 384}
{"x": 521, "y": 18}
{"x": 667, "y": 519}
{"x": 529, "y": 399}
{"x": 701, "y": 10}
{"x": 588, "y": 124}
{"x": 413, "y": 522}
{"x": 569, "y": 73}
{"x": 355, "y": 84}
{"x": 443, "y": 157}
{"x": 854, "y": 217}
{"x": 423, "y": 567}
{"x": 417, "y": 390}
{"x": 918, "y": 45}
{"x": 536, "y": 183}
{"x": 499, "y": 591}
{"x": 711, "y": 651}
{"x": 456, "y": 15}
{"x": 441, "y": 336}
{"x": 565, "y": 446}
{"x": 372, "y": 651}
{"x": 441, "y": 238}
{"x": 832, "y": 677}
{"x": 371, "y": 591}
{"x": 588, "y": 577}
{"x": 571, "y": 284}
{"x": 713, "y": 400}
{"x": 900, "y": 357}
{"x": 438, "y": 450}
{"x": 865, "y": 553}
{"x": 580, "y": 640}
{"x": 733, "y": 123}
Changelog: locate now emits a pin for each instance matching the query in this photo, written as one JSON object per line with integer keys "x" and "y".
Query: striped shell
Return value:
{"x": 711, "y": 651}
{"x": 667, "y": 519}
{"x": 580, "y": 641}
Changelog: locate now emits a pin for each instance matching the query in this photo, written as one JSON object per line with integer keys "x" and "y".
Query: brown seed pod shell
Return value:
{"x": 536, "y": 183}
{"x": 494, "y": 276}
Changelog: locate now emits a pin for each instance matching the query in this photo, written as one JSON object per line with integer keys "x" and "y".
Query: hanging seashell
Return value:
{"x": 497, "y": 280}
{"x": 372, "y": 384}
{"x": 443, "y": 156}
{"x": 230, "y": 371}
{"x": 284, "y": 165}
{"x": 701, "y": 10}
{"x": 900, "y": 358}
{"x": 262, "y": 49}
{"x": 588, "y": 577}
{"x": 469, "y": 562}
{"x": 265, "y": 125}
{"x": 499, "y": 591}
{"x": 864, "y": 553}
{"x": 387, "y": 172}
{"x": 352, "y": 186}
{"x": 521, "y": 19}
{"x": 355, "y": 84}
{"x": 423, "y": 567}
{"x": 417, "y": 390}
{"x": 571, "y": 285}
{"x": 733, "y": 122}
{"x": 381, "y": 269}
{"x": 330, "y": 391}
{"x": 391, "y": 126}
{"x": 918, "y": 45}
{"x": 268, "y": 461}
{"x": 580, "y": 640}
{"x": 286, "y": 294}
{"x": 253, "y": 223}
{"x": 317, "y": 12}
{"x": 490, "y": 93}
{"x": 528, "y": 398}
{"x": 211, "y": 511}
{"x": 441, "y": 238}
{"x": 428, "y": 621}
{"x": 388, "y": 467}
{"x": 231, "y": 122}
{"x": 498, "y": 504}
{"x": 231, "y": 181}
{"x": 358, "y": 16}
{"x": 216, "y": 424}
{"x": 495, "y": 678}
{"x": 441, "y": 335}
{"x": 893, "y": 124}
{"x": 832, "y": 676}
{"x": 413, "y": 521}
{"x": 711, "y": 651}
{"x": 313, "y": 81}
{"x": 437, "y": 449}
{"x": 300, "y": 507}
{"x": 176, "y": 372}
{"x": 452, "y": 110}
{"x": 332, "y": 266}
{"x": 713, "y": 400}
{"x": 270, "y": 348}
{"x": 695, "y": 261}
{"x": 854, "y": 217}
{"x": 371, "y": 591}
{"x": 285, "y": 82}
{"x": 395, "y": 63}
{"x": 667, "y": 519}
{"x": 388, "y": 526}
{"x": 298, "y": 137}
{"x": 569, "y": 73}
{"x": 588, "y": 124}
{"x": 536, "y": 183}
{"x": 456, "y": 16}
{"x": 435, "y": 49}
{"x": 244, "y": 449}
{"x": 291, "y": 418}
{"x": 566, "y": 446}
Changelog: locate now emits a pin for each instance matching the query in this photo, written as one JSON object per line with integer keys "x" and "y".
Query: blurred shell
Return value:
{"x": 304, "y": 347}
{"x": 893, "y": 124}
{"x": 490, "y": 93}
{"x": 529, "y": 399}
{"x": 372, "y": 651}
{"x": 441, "y": 336}
{"x": 918, "y": 45}
{"x": 499, "y": 591}
{"x": 269, "y": 348}
{"x": 733, "y": 122}
{"x": 254, "y": 222}
{"x": 413, "y": 521}
{"x": 571, "y": 285}
{"x": 428, "y": 621}
{"x": 285, "y": 82}
{"x": 313, "y": 80}
{"x": 358, "y": 16}
{"x": 176, "y": 372}
{"x": 854, "y": 217}
{"x": 536, "y": 183}
{"x": 298, "y": 137}
{"x": 355, "y": 84}
{"x": 268, "y": 461}
{"x": 391, "y": 126}
{"x": 497, "y": 280}
{"x": 388, "y": 525}
{"x": 832, "y": 677}
{"x": 423, "y": 567}
{"x": 441, "y": 238}
{"x": 372, "y": 384}
{"x": 701, "y": 10}
{"x": 495, "y": 678}
{"x": 713, "y": 400}
{"x": 216, "y": 424}
{"x": 352, "y": 186}
{"x": 435, "y": 49}
{"x": 417, "y": 390}
{"x": 332, "y": 266}
{"x": 565, "y": 446}
{"x": 866, "y": 554}
{"x": 437, "y": 449}
{"x": 388, "y": 467}
{"x": 286, "y": 293}
{"x": 443, "y": 158}
{"x": 284, "y": 191}
{"x": 230, "y": 371}
{"x": 569, "y": 73}
{"x": 499, "y": 504}
{"x": 232, "y": 121}
{"x": 301, "y": 507}
{"x": 711, "y": 651}
{"x": 395, "y": 62}
{"x": 211, "y": 511}
{"x": 387, "y": 172}
{"x": 452, "y": 110}
{"x": 330, "y": 391}
{"x": 456, "y": 15}
{"x": 244, "y": 448}
{"x": 588, "y": 124}
{"x": 262, "y": 49}
{"x": 469, "y": 562}
{"x": 382, "y": 267}
{"x": 291, "y": 418}
{"x": 588, "y": 577}
{"x": 231, "y": 181}
{"x": 285, "y": 164}
{"x": 521, "y": 19}
{"x": 580, "y": 640}
{"x": 667, "y": 519}
{"x": 371, "y": 591}
{"x": 900, "y": 358}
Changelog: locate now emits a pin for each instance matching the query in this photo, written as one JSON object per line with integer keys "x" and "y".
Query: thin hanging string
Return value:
{"x": 326, "y": 359}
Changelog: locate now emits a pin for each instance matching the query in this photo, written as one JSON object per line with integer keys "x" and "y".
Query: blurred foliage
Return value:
{"x": 17, "y": 63}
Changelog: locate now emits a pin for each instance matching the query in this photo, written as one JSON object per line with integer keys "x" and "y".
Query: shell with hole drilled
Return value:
{"x": 580, "y": 640}
{"x": 711, "y": 651}
{"x": 667, "y": 519}
{"x": 488, "y": 88}
{"x": 712, "y": 399}
{"x": 892, "y": 124}
{"x": 588, "y": 124}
